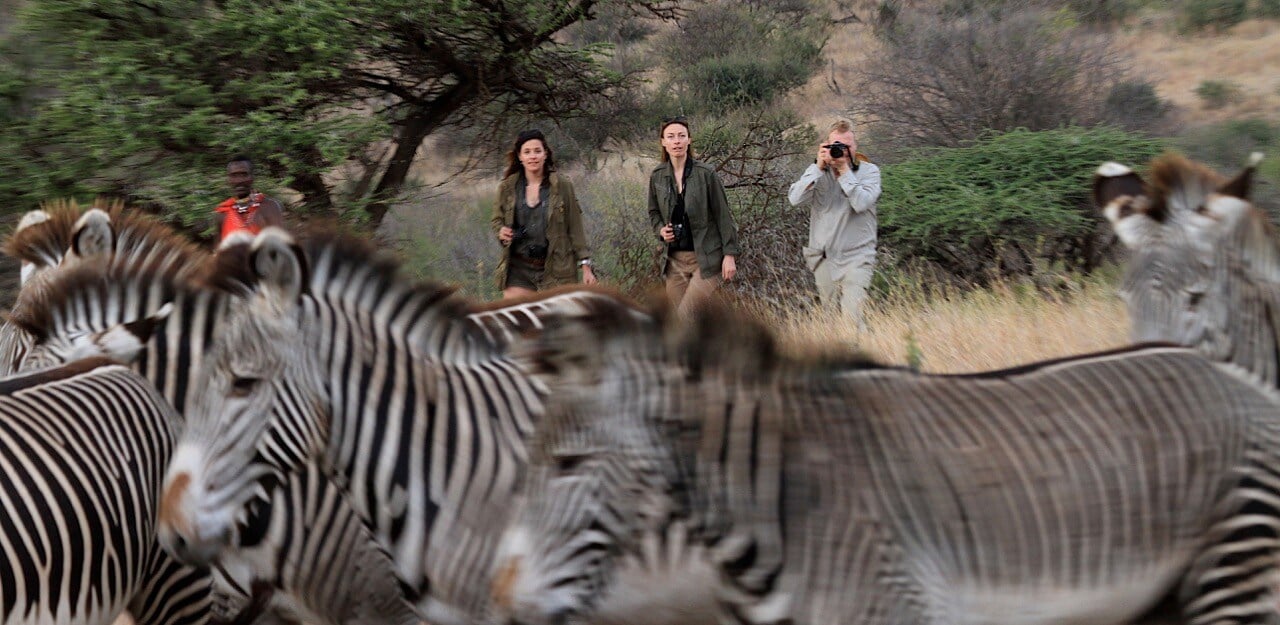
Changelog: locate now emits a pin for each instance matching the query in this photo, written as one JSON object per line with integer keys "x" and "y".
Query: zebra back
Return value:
{"x": 830, "y": 490}
{"x": 85, "y": 447}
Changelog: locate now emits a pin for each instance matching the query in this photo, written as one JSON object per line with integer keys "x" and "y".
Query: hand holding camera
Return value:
{"x": 835, "y": 153}
{"x": 668, "y": 233}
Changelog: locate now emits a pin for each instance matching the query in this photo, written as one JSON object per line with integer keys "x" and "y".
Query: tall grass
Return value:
{"x": 1001, "y": 326}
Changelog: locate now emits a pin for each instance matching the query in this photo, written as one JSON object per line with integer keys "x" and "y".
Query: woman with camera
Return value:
{"x": 690, "y": 213}
{"x": 538, "y": 222}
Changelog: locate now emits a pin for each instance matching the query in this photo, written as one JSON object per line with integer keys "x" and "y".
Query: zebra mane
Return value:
{"x": 1173, "y": 175}
{"x": 46, "y": 242}
{"x": 718, "y": 338}
{"x": 342, "y": 266}
{"x": 743, "y": 343}
{"x": 143, "y": 236}
{"x": 71, "y": 294}
{"x": 136, "y": 233}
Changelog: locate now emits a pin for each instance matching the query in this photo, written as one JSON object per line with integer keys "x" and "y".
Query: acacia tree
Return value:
{"x": 147, "y": 99}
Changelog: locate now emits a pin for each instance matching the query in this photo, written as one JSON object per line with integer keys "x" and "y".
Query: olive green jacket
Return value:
{"x": 714, "y": 233}
{"x": 566, "y": 241}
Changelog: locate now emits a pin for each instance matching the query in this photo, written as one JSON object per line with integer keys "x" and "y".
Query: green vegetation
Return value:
{"x": 1216, "y": 94}
{"x": 1006, "y": 204}
{"x": 148, "y": 100}
{"x": 1198, "y": 15}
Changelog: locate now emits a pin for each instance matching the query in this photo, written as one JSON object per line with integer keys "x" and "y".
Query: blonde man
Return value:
{"x": 841, "y": 189}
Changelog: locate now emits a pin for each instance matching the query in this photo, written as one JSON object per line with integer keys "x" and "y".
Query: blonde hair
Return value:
{"x": 841, "y": 125}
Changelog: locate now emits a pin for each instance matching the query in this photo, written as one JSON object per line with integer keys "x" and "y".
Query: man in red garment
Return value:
{"x": 246, "y": 210}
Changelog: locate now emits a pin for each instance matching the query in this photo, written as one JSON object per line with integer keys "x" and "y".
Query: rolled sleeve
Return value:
{"x": 861, "y": 187}
{"x": 802, "y": 190}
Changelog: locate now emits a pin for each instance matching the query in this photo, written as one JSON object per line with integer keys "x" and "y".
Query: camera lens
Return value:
{"x": 836, "y": 151}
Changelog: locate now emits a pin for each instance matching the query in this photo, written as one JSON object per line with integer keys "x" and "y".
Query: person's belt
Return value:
{"x": 528, "y": 260}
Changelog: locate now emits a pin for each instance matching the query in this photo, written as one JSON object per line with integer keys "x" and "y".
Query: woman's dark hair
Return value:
{"x": 671, "y": 121}
{"x": 513, "y": 157}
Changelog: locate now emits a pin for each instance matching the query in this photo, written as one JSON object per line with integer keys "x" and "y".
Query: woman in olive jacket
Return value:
{"x": 690, "y": 213}
{"x": 538, "y": 222}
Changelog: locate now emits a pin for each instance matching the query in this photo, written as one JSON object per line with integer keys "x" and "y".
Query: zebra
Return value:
{"x": 504, "y": 322}
{"x": 1204, "y": 270}
{"x": 83, "y": 449}
{"x": 438, "y": 557}
{"x": 1100, "y": 488}
{"x": 265, "y": 559}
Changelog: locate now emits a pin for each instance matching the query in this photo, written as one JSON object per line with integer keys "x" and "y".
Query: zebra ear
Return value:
{"x": 1125, "y": 200}
{"x": 31, "y": 218}
{"x": 124, "y": 342}
{"x": 1112, "y": 181}
{"x": 279, "y": 265}
{"x": 93, "y": 234}
{"x": 1240, "y": 185}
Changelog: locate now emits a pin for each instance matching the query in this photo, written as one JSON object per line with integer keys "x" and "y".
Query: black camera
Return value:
{"x": 677, "y": 231}
{"x": 837, "y": 149}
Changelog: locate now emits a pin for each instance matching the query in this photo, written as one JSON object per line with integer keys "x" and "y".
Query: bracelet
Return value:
{"x": 586, "y": 262}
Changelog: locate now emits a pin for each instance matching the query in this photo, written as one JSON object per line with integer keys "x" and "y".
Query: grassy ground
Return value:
{"x": 979, "y": 330}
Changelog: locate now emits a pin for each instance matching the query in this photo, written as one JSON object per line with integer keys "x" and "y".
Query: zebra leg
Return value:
{"x": 1233, "y": 580}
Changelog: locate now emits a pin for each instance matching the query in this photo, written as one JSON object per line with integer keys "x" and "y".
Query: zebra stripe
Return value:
{"x": 1079, "y": 490}
{"x": 417, "y": 411}
{"x": 87, "y": 302}
{"x": 1204, "y": 268}
{"x": 198, "y": 317}
{"x": 82, "y": 452}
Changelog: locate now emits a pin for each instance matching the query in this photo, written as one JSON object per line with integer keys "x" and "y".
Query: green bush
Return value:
{"x": 727, "y": 82}
{"x": 1198, "y": 15}
{"x": 1135, "y": 106}
{"x": 727, "y": 54}
{"x": 1007, "y": 204}
{"x": 1215, "y": 94}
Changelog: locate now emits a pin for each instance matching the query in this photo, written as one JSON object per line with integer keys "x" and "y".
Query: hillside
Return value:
{"x": 1247, "y": 56}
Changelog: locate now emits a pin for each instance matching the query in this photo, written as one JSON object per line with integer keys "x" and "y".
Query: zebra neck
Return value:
{"x": 178, "y": 347}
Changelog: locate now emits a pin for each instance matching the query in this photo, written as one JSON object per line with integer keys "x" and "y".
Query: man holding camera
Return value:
{"x": 841, "y": 189}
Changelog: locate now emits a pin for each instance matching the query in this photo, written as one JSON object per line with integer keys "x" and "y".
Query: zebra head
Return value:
{"x": 1179, "y": 228}
{"x": 86, "y": 296}
{"x": 604, "y": 481}
{"x": 258, "y": 410}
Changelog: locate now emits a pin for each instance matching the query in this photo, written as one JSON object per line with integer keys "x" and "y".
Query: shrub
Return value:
{"x": 1135, "y": 106}
{"x": 1007, "y": 205}
{"x": 1198, "y": 15}
{"x": 1268, "y": 8}
{"x": 1215, "y": 94}
{"x": 728, "y": 54}
{"x": 944, "y": 82}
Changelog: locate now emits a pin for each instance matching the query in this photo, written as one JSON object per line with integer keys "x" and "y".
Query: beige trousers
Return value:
{"x": 686, "y": 287}
{"x": 850, "y": 291}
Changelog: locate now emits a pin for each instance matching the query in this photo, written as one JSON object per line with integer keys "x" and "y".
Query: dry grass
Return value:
{"x": 1247, "y": 55}
{"x": 975, "y": 331}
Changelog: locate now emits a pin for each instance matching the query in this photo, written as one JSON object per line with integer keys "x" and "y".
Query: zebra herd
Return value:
{"x": 299, "y": 432}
